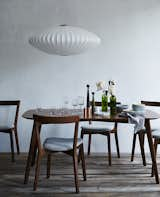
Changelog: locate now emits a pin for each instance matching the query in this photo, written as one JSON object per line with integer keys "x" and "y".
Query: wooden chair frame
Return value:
{"x": 13, "y": 129}
{"x": 142, "y": 136}
{"x": 106, "y": 133}
{"x": 41, "y": 120}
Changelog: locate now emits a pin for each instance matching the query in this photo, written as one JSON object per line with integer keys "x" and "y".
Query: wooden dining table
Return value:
{"x": 85, "y": 115}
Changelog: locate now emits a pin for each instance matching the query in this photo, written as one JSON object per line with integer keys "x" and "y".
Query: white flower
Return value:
{"x": 111, "y": 87}
{"x": 101, "y": 85}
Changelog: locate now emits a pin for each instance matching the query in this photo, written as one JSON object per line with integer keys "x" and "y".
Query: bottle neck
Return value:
{"x": 105, "y": 92}
{"x": 112, "y": 95}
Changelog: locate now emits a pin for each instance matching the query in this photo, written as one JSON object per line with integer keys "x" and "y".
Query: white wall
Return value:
{"x": 129, "y": 54}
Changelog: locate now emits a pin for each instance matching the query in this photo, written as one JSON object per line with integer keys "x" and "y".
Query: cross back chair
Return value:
{"x": 12, "y": 129}
{"x": 54, "y": 145}
{"x": 103, "y": 130}
{"x": 141, "y": 135}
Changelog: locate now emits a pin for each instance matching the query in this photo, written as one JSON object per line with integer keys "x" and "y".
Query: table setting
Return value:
{"x": 106, "y": 110}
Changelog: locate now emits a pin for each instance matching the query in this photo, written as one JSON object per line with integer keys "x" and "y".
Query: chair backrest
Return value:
{"x": 98, "y": 103}
{"x": 42, "y": 120}
{"x": 12, "y": 103}
{"x": 151, "y": 103}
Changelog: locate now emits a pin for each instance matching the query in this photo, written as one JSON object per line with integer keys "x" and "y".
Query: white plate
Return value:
{"x": 102, "y": 113}
{"x": 123, "y": 107}
{"x": 135, "y": 112}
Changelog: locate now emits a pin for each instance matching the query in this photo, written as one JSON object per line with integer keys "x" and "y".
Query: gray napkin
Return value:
{"x": 138, "y": 120}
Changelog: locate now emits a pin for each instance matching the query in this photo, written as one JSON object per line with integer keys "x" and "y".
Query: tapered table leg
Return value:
{"x": 30, "y": 155}
{"x": 152, "y": 151}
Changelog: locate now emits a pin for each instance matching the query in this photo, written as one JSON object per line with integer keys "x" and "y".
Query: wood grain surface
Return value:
{"x": 123, "y": 178}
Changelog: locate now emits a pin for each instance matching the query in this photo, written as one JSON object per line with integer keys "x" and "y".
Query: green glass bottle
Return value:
{"x": 105, "y": 101}
{"x": 113, "y": 108}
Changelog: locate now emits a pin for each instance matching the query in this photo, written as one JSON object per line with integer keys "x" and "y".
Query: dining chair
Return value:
{"x": 54, "y": 145}
{"x": 102, "y": 130}
{"x": 10, "y": 129}
{"x": 141, "y": 135}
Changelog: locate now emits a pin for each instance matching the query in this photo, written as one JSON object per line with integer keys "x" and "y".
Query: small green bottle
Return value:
{"x": 105, "y": 101}
{"x": 113, "y": 108}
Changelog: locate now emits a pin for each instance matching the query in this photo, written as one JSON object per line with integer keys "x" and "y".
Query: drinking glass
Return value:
{"x": 80, "y": 101}
{"x": 66, "y": 102}
{"x": 74, "y": 103}
{"x": 39, "y": 109}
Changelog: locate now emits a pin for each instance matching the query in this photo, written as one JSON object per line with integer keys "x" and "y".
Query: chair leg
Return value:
{"x": 75, "y": 164}
{"x": 37, "y": 171}
{"x": 48, "y": 165}
{"x": 133, "y": 146}
{"x": 12, "y": 146}
{"x": 117, "y": 144}
{"x": 109, "y": 149}
{"x": 155, "y": 148}
{"x": 89, "y": 144}
{"x": 83, "y": 162}
{"x": 141, "y": 142}
{"x": 17, "y": 141}
{"x": 79, "y": 154}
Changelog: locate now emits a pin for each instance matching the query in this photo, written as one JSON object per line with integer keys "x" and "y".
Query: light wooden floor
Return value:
{"x": 123, "y": 178}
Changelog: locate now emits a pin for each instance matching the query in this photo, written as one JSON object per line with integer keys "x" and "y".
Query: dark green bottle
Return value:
{"x": 113, "y": 108}
{"x": 105, "y": 101}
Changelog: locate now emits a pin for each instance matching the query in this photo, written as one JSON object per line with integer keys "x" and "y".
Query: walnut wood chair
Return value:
{"x": 54, "y": 145}
{"x": 102, "y": 130}
{"x": 141, "y": 135}
{"x": 12, "y": 129}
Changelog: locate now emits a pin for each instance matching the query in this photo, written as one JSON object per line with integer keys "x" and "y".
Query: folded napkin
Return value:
{"x": 138, "y": 120}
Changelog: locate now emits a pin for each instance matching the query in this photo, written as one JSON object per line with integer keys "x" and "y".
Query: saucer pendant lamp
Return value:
{"x": 65, "y": 40}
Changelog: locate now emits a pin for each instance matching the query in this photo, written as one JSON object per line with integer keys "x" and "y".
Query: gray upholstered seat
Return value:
{"x": 95, "y": 128}
{"x": 156, "y": 134}
{"x": 60, "y": 144}
{"x": 5, "y": 127}
{"x": 144, "y": 130}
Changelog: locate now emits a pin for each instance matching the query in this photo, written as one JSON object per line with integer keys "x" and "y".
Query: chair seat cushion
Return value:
{"x": 156, "y": 134}
{"x": 94, "y": 128}
{"x": 154, "y": 129}
{"x": 60, "y": 144}
{"x": 5, "y": 128}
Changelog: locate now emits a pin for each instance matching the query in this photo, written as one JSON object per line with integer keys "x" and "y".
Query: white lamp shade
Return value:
{"x": 65, "y": 40}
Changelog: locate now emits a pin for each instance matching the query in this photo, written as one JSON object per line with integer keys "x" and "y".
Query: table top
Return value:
{"x": 84, "y": 115}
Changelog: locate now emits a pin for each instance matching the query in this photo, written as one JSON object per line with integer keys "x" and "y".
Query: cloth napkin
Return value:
{"x": 138, "y": 120}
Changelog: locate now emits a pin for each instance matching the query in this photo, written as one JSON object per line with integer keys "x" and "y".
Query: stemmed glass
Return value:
{"x": 66, "y": 102}
{"x": 74, "y": 103}
{"x": 80, "y": 101}
{"x": 39, "y": 109}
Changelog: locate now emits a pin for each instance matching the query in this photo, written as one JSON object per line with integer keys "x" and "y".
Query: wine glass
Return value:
{"x": 39, "y": 109}
{"x": 80, "y": 101}
{"x": 66, "y": 102}
{"x": 74, "y": 103}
